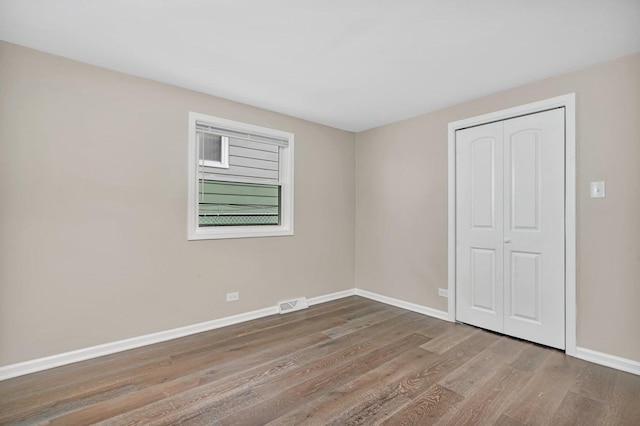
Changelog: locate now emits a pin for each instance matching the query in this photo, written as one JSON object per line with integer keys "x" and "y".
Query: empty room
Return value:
{"x": 289, "y": 212}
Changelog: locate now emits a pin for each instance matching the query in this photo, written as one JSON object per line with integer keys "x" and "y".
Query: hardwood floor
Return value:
{"x": 348, "y": 362}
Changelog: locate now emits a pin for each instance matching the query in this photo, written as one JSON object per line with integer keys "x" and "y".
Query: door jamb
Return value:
{"x": 568, "y": 102}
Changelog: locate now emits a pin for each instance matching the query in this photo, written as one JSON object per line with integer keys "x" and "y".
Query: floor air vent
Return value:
{"x": 292, "y": 305}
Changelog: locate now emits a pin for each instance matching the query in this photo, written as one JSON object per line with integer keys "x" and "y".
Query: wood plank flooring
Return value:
{"x": 348, "y": 362}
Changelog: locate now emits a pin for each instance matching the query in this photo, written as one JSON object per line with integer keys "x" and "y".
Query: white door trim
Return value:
{"x": 569, "y": 103}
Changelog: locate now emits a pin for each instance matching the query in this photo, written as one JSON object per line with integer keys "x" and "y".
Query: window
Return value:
{"x": 214, "y": 149}
{"x": 240, "y": 179}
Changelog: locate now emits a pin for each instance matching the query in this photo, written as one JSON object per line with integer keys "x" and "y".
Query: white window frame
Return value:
{"x": 194, "y": 231}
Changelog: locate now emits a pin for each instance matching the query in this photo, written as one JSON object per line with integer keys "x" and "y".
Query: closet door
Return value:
{"x": 479, "y": 226}
{"x": 534, "y": 228}
{"x": 510, "y": 227}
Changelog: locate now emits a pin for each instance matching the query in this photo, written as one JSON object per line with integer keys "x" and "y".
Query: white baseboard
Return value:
{"x": 27, "y": 367}
{"x": 607, "y": 360}
{"x": 32, "y": 366}
{"x": 404, "y": 305}
{"x": 332, "y": 296}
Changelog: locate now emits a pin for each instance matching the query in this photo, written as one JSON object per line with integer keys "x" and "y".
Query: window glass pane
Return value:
{"x": 211, "y": 147}
{"x": 231, "y": 204}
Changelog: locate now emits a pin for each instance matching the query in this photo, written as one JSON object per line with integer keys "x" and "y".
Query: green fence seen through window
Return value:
{"x": 233, "y": 204}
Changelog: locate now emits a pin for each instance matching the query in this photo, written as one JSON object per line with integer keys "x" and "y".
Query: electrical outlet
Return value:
{"x": 232, "y": 297}
{"x": 443, "y": 292}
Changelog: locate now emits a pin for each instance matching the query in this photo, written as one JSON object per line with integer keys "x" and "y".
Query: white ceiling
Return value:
{"x": 350, "y": 64}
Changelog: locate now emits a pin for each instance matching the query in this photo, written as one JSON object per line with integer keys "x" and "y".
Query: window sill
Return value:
{"x": 244, "y": 232}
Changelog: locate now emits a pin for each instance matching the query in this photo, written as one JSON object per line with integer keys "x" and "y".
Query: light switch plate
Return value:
{"x": 597, "y": 189}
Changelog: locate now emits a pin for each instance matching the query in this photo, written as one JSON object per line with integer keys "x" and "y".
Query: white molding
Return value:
{"x": 607, "y": 360}
{"x": 571, "y": 315}
{"x": 332, "y": 296}
{"x": 26, "y": 367}
{"x": 451, "y": 224}
{"x": 32, "y": 366}
{"x": 569, "y": 103}
{"x": 402, "y": 304}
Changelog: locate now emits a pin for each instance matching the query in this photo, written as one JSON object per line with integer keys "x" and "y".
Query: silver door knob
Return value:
{"x": 507, "y": 240}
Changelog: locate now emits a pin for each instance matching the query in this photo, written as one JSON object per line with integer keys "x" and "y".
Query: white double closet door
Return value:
{"x": 510, "y": 238}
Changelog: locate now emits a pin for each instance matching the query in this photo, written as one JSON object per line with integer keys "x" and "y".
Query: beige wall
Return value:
{"x": 93, "y": 219}
{"x": 401, "y": 207}
{"x": 93, "y": 242}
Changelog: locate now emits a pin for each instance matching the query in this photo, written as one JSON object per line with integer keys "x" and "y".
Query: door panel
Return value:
{"x": 483, "y": 171}
{"x": 534, "y": 215}
{"x": 510, "y": 227}
{"x": 479, "y": 252}
{"x": 483, "y": 279}
{"x": 525, "y": 286}
{"x": 525, "y": 203}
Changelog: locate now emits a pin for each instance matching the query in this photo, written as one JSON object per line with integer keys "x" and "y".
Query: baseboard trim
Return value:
{"x": 404, "y": 305}
{"x": 332, "y": 296}
{"x": 607, "y": 360}
{"x": 39, "y": 364}
{"x": 32, "y": 366}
